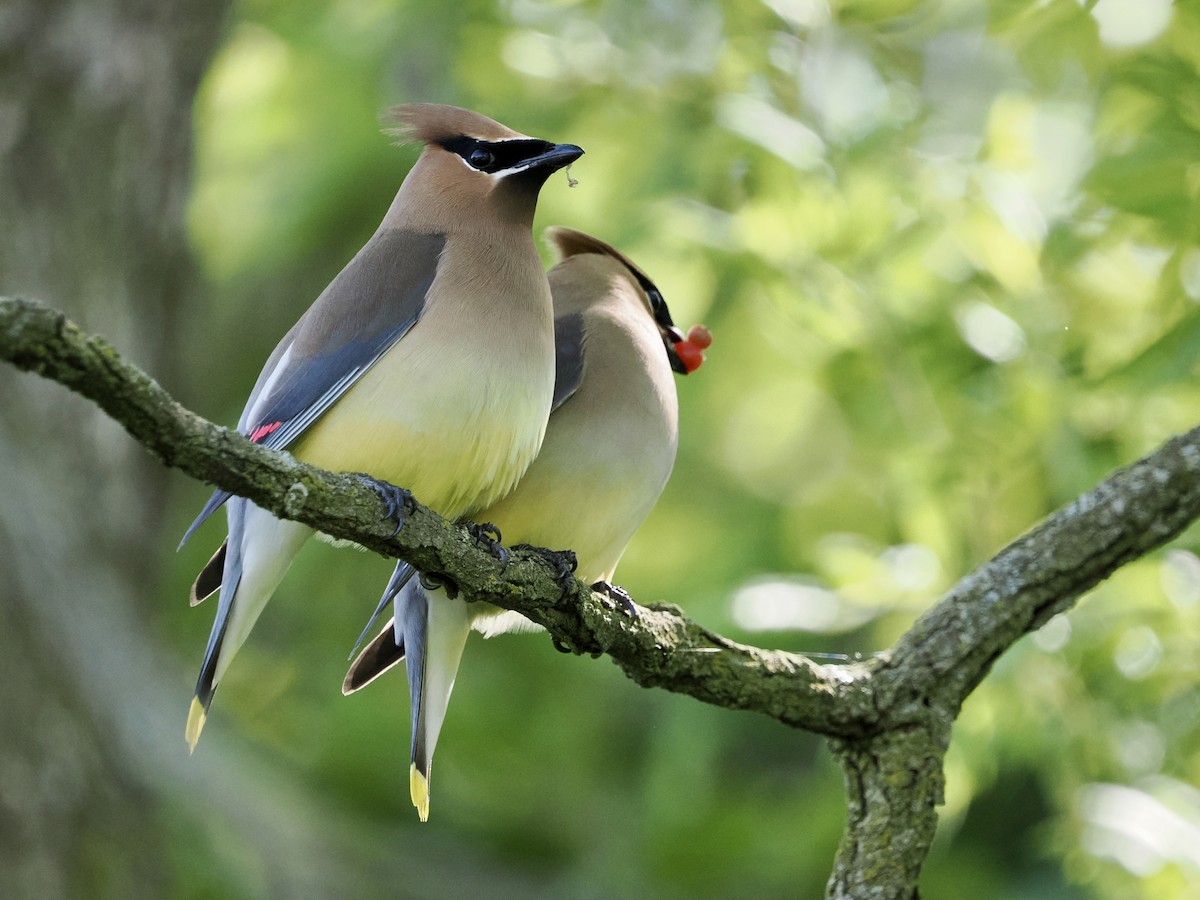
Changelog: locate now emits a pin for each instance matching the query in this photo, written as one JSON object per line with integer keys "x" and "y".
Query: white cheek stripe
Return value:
{"x": 511, "y": 170}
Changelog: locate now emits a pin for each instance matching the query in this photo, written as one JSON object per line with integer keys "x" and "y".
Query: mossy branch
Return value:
{"x": 888, "y": 717}
{"x": 659, "y": 647}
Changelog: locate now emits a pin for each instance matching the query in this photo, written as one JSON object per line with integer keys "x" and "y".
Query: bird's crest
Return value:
{"x": 433, "y": 123}
{"x": 684, "y": 351}
{"x": 567, "y": 242}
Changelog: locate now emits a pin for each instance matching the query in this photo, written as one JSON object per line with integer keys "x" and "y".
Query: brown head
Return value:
{"x": 568, "y": 243}
{"x": 474, "y": 171}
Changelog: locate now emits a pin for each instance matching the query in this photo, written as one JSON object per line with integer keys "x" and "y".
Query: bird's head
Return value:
{"x": 685, "y": 352}
{"x": 473, "y": 167}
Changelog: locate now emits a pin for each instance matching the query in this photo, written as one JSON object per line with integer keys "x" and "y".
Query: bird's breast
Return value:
{"x": 455, "y": 412}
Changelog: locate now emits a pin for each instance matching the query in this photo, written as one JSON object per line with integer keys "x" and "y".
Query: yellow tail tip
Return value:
{"x": 418, "y": 789}
{"x": 195, "y": 723}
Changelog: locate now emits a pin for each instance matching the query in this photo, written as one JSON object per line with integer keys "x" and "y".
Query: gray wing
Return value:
{"x": 367, "y": 308}
{"x": 568, "y": 358}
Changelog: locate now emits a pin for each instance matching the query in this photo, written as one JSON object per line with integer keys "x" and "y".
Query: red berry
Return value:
{"x": 690, "y": 355}
{"x": 700, "y": 336}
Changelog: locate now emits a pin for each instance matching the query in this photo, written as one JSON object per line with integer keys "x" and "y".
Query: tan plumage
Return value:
{"x": 607, "y": 454}
{"x": 611, "y": 449}
{"x": 427, "y": 362}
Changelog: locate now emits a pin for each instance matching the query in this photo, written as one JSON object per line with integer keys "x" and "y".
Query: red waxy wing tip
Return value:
{"x": 263, "y": 430}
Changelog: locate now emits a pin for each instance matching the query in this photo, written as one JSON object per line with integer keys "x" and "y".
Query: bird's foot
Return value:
{"x": 560, "y": 646}
{"x": 399, "y": 502}
{"x": 563, "y": 647}
{"x": 562, "y": 562}
{"x": 440, "y": 582}
{"x": 489, "y": 535}
{"x": 618, "y": 594}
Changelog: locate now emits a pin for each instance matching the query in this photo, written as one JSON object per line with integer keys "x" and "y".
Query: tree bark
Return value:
{"x": 894, "y": 784}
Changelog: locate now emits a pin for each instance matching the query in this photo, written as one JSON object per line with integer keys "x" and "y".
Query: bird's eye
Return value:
{"x": 481, "y": 158}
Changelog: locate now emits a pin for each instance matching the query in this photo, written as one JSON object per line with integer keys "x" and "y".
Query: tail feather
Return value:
{"x": 256, "y": 555}
{"x": 376, "y": 658}
{"x": 418, "y": 791}
{"x": 400, "y": 576}
{"x": 387, "y": 648}
{"x": 214, "y": 503}
{"x": 206, "y": 683}
{"x": 433, "y": 631}
{"x": 411, "y": 624}
{"x": 197, "y": 713}
{"x": 208, "y": 582}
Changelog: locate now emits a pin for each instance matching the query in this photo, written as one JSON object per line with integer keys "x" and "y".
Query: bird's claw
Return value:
{"x": 563, "y": 647}
{"x": 489, "y": 535}
{"x": 617, "y": 594}
{"x": 560, "y": 646}
{"x": 399, "y": 502}
{"x": 562, "y": 562}
{"x": 439, "y": 582}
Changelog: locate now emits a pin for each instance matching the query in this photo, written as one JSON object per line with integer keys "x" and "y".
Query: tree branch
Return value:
{"x": 888, "y": 718}
{"x": 952, "y": 647}
{"x": 659, "y": 648}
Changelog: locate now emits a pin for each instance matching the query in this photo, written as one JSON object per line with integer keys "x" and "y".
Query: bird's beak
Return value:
{"x": 672, "y": 336}
{"x": 553, "y": 159}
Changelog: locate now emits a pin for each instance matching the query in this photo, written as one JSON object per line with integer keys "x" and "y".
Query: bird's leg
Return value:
{"x": 618, "y": 594}
{"x": 562, "y": 562}
{"x": 488, "y": 535}
{"x": 399, "y": 502}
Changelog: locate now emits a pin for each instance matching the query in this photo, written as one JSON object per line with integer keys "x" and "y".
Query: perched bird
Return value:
{"x": 428, "y": 362}
{"x": 608, "y": 452}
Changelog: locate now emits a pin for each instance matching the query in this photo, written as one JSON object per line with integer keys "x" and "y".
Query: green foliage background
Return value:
{"x": 949, "y": 254}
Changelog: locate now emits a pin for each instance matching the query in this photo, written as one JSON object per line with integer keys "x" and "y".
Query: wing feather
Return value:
{"x": 568, "y": 358}
{"x": 371, "y": 304}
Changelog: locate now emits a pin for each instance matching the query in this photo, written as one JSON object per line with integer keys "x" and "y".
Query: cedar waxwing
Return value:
{"x": 428, "y": 362}
{"x": 609, "y": 448}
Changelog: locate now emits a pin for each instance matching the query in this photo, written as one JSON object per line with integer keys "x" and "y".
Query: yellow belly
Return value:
{"x": 457, "y": 436}
{"x": 589, "y": 512}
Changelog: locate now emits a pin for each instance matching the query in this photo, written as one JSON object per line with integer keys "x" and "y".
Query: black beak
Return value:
{"x": 677, "y": 365}
{"x": 554, "y": 159}
{"x": 670, "y": 334}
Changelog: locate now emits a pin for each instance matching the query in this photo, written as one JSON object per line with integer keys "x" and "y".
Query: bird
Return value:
{"x": 427, "y": 363}
{"x": 609, "y": 449}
